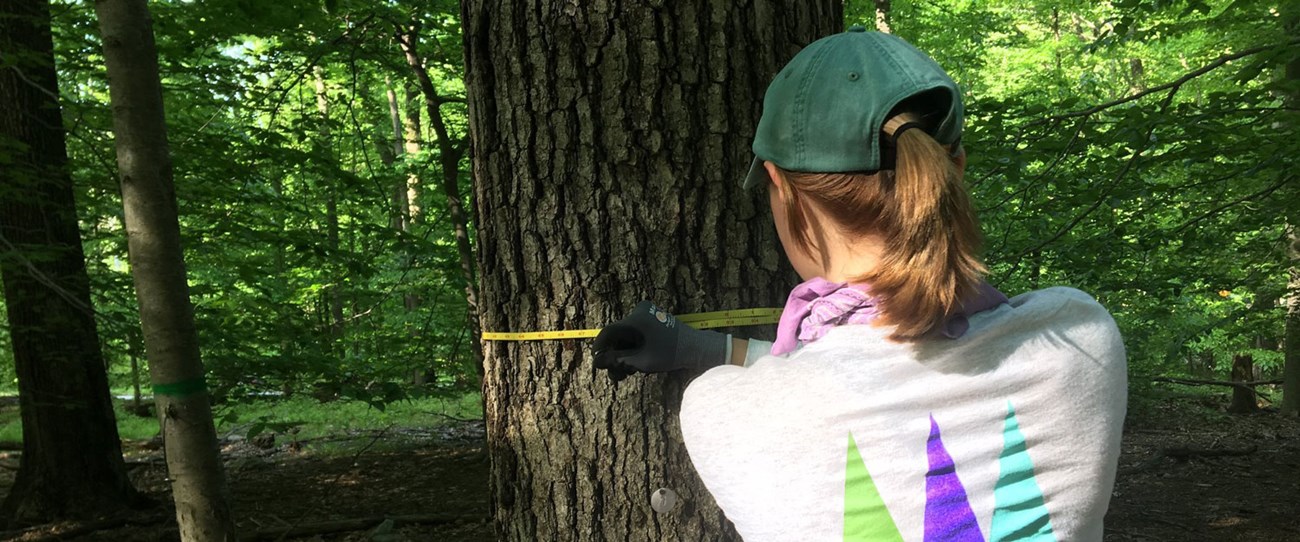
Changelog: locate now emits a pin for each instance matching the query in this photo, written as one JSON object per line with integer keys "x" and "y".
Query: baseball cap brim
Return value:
{"x": 757, "y": 175}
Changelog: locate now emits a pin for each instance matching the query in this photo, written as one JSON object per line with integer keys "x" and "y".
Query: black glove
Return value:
{"x": 649, "y": 340}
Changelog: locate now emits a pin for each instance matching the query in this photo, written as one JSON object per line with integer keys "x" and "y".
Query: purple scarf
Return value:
{"x": 818, "y": 305}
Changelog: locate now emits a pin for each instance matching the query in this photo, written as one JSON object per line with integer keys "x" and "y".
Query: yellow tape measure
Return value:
{"x": 699, "y": 320}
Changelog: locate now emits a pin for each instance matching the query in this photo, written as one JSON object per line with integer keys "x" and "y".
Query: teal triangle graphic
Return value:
{"x": 1019, "y": 511}
{"x": 866, "y": 519}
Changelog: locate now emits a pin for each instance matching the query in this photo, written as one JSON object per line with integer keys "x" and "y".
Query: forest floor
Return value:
{"x": 1188, "y": 472}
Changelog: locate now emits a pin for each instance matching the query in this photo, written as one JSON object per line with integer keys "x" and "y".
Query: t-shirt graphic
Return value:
{"x": 1009, "y": 432}
{"x": 1020, "y": 512}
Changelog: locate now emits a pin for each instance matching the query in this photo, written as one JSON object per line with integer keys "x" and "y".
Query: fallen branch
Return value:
{"x": 53, "y": 533}
{"x": 156, "y": 462}
{"x": 1198, "y": 382}
{"x": 356, "y": 524}
{"x": 1243, "y": 385}
{"x": 1184, "y": 454}
{"x": 67, "y": 530}
{"x": 1230, "y": 383}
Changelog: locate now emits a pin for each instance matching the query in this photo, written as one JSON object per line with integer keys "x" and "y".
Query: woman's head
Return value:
{"x": 859, "y": 144}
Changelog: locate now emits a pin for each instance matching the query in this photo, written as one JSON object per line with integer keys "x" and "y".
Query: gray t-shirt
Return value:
{"x": 1010, "y": 432}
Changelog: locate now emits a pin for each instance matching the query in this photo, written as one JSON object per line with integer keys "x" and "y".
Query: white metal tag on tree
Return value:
{"x": 663, "y": 500}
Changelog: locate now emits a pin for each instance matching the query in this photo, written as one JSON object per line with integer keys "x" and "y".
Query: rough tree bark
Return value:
{"x": 71, "y": 466}
{"x": 609, "y": 142}
{"x": 158, "y": 268}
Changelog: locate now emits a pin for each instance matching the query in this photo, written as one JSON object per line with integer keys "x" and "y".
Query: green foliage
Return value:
{"x": 310, "y": 418}
{"x": 304, "y": 417}
{"x": 1140, "y": 150}
{"x": 262, "y": 177}
{"x": 129, "y": 426}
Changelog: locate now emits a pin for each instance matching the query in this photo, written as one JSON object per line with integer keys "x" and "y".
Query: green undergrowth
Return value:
{"x": 308, "y": 418}
{"x": 129, "y": 426}
{"x": 302, "y": 418}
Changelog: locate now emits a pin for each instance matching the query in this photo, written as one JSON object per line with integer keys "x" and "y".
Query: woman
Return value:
{"x": 904, "y": 398}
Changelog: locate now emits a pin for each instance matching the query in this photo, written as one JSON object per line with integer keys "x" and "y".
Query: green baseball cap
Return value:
{"x": 823, "y": 112}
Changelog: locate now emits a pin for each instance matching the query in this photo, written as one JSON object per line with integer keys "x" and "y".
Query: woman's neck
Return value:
{"x": 850, "y": 260}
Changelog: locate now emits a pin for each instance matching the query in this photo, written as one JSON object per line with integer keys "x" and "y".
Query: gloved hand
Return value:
{"x": 649, "y": 340}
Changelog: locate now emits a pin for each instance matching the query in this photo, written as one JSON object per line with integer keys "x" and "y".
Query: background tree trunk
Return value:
{"x": 423, "y": 371}
{"x": 335, "y": 299}
{"x": 1291, "y": 368}
{"x": 1243, "y": 398}
{"x": 450, "y": 152}
{"x": 883, "y": 16}
{"x": 401, "y": 220}
{"x": 158, "y": 268}
{"x": 414, "y": 137}
{"x": 71, "y": 466}
{"x": 609, "y": 144}
{"x": 1291, "y": 342}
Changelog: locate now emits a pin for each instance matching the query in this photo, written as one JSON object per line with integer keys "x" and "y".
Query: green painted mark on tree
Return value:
{"x": 184, "y": 388}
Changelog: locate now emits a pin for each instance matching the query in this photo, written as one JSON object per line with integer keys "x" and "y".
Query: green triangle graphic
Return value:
{"x": 865, "y": 517}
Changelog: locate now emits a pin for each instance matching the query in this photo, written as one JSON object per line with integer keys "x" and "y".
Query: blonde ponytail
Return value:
{"x": 930, "y": 261}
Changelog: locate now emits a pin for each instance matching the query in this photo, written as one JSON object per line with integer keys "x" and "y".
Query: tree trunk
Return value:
{"x": 1243, "y": 398}
{"x": 449, "y": 154}
{"x": 1291, "y": 343}
{"x": 133, "y": 351}
{"x": 71, "y": 465}
{"x": 609, "y": 146}
{"x": 1056, "y": 38}
{"x": 420, "y": 375}
{"x": 335, "y": 300}
{"x": 401, "y": 220}
{"x": 414, "y": 137}
{"x": 882, "y": 16}
{"x": 1137, "y": 75}
{"x": 158, "y": 268}
{"x": 1291, "y": 368}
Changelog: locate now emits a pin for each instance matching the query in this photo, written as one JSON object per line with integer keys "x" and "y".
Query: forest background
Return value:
{"x": 1140, "y": 150}
{"x": 1113, "y": 148}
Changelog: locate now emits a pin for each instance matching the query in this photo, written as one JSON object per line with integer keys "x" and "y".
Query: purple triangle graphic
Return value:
{"x": 948, "y": 516}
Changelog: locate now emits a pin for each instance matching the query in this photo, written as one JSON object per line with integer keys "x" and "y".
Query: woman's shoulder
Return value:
{"x": 1062, "y": 316}
{"x": 1060, "y": 306}
{"x": 1059, "y": 297}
